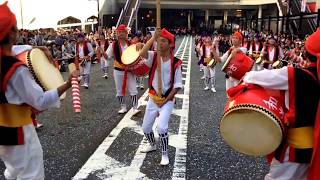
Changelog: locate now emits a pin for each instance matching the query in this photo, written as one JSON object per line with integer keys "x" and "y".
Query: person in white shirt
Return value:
{"x": 20, "y": 149}
{"x": 102, "y": 46}
{"x": 271, "y": 53}
{"x": 206, "y": 56}
{"x": 120, "y": 74}
{"x": 236, "y": 40}
{"x": 165, "y": 81}
{"x": 298, "y": 154}
{"x": 84, "y": 53}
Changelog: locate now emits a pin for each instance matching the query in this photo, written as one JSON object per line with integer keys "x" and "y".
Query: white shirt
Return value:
{"x": 271, "y": 79}
{"x": 256, "y": 48}
{"x": 81, "y": 51}
{"x": 225, "y": 56}
{"x": 101, "y": 49}
{"x": 207, "y": 51}
{"x": 22, "y": 88}
{"x": 110, "y": 50}
{"x": 272, "y": 53}
{"x": 165, "y": 74}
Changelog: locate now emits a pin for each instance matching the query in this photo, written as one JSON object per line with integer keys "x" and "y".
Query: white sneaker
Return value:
{"x": 122, "y": 110}
{"x": 213, "y": 89}
{"x": 135, "y": 112}
{"x": 141, "y": 86}
{"x": 203, "y": 77}
{"x": 206, "y": 88}
{"x": 164, "y": 159}
{"x": 39, "y": 125}
{"x": 85, "y": 85}
{"x": 106, "y": 76}
{"x": 79, "y": 78}
{"x": 149, "y": 148}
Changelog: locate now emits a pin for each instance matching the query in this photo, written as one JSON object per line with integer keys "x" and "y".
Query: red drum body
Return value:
{"x": 237, "y": 66}
{"x": 139, "y": 68}
{"x": 132, "y": 60}
{"x": 252, "y": 122}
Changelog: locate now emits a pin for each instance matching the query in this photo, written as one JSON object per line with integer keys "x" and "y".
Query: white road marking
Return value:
{"x": 179, "y": 170}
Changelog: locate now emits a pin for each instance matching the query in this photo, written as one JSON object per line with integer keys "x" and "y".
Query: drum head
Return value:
{"x": 252, "y": 132}
{"x": 276, "y": 64}
{"x": 211, "y": 62}
{"x": 130, "y": 55}
{"x": 46, "y": 73}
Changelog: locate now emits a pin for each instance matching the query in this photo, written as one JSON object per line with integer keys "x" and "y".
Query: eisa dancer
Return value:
{"x": 20, "y": 149}
{"x": 123, "y": 79}
{"x": 299, "y": 153}
{"x": 84, "y": 52}
{"x": 165, "y": 80}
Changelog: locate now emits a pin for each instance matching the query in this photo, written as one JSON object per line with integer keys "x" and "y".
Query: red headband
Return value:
{"x": 7, "y": 20}
{"x": 166, "y": 34}
{"x": 122, "y": 27}
{"x": 238, "y": 35}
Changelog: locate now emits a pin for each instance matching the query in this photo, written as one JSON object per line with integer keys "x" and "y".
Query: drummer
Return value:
{"x": 101, "y": 48}
{"x": 302, "y": 91}
{"x": 206, "y": 56}
{"x": 20, "y": 149}
{"x": 84, "y": 53}
{"x": 115, "y": 50}
{"x": 271, "y": 53}
{"x": 161, "y": 94}
{"x": 255, "y": 50}
{"x": 136, "y": 38}
{"x": 236, "y": 40}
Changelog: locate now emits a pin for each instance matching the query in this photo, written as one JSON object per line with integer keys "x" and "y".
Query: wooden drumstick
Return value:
{"x": 75, "y": 90}
{"x": 158, "y": 56}
{"x": 158, "y": 14}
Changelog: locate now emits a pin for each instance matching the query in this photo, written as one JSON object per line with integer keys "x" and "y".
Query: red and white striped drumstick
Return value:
{"x": 75, "y": 90}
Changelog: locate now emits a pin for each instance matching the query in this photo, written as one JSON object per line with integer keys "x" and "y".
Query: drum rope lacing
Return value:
{"x": 32, "y": 71}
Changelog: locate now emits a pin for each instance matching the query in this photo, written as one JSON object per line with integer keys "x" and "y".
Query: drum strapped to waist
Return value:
{"x": 277, "y": 64}
{"x": 212, "y": 63}
{"x": 237, "y": 66}
{"x": 132, "y": 60}
{"x": 253, "y": 120}
{"x": 207, "y": 60}
{"x": 255, "y": 55}
{"x": 259, "y": 60}
{"x": 42, "y": 69}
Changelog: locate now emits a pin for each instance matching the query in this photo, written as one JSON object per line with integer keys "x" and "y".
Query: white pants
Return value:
{"x": 209, "y": 72}
{"x": 131, "y": 83}
{"x": 24, "y": 162}
{"x": 84, "y": 70}
{"x": 104, "y": 63}
{"x": 287, "y": 171}
{"x": 231, "y": 82}
{"x": 260, "y": 67}
{"x": 152, "y": 111}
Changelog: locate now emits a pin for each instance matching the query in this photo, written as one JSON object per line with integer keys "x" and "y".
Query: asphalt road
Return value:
{"x": 69, "y": 140}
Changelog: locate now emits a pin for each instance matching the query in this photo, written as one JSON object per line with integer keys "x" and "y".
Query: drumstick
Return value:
{"x": 158, "y": 14}
{"x": 75, "y": 90}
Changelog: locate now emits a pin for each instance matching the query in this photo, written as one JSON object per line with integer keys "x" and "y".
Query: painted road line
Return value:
{"x": 179, "y": 169}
